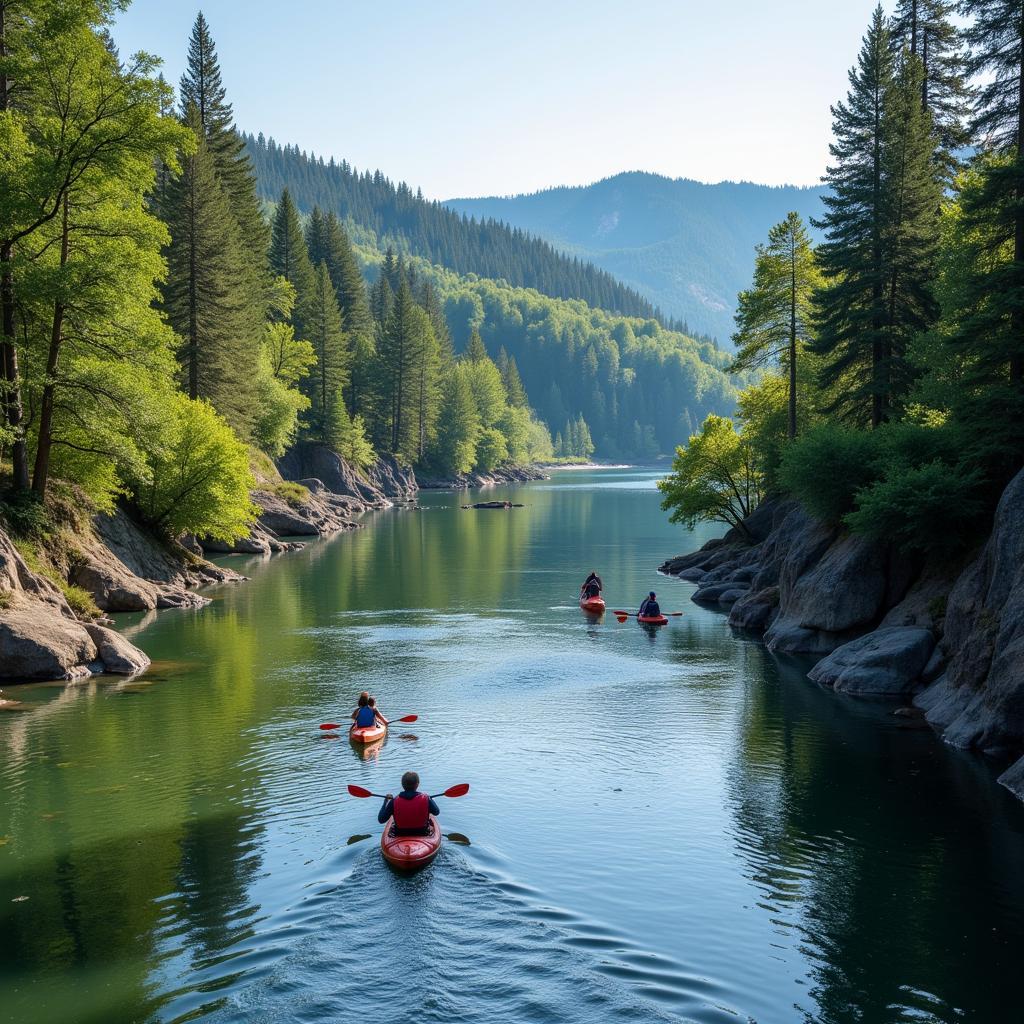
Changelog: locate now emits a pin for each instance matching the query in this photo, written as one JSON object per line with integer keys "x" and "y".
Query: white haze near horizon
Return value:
{"x": 470, "y": 99}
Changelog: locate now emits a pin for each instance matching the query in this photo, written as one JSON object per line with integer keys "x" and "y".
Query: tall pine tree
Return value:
{"x": 206, "y": 297}
{"x": 329, "y": 375}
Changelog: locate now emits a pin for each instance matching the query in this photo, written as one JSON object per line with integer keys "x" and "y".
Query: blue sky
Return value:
{"x": 479, "y": 98}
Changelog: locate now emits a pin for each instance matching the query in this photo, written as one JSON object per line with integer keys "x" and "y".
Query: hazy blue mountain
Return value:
{"x": 685, "y": 245}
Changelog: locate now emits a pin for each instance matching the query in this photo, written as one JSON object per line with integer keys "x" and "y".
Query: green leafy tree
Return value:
{"x": 284, "y": 362}
{"x": 714, "y": 478}
{"x": 491, "y": 449}
{"x": 488, "y": 391}
{"x": 196, "y": 476}
{"x": 348, "y": 438}
{"x": 774, "y": 318}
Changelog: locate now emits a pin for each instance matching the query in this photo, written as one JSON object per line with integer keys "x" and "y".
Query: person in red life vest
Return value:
{"x": 411, "y": 809}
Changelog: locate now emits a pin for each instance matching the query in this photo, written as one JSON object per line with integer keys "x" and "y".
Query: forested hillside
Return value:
{"x": 684, "y": 245}
{"x": 403, "y": 218}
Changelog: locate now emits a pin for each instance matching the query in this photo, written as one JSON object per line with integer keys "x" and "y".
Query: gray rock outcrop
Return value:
{"x": 951, "y": 636}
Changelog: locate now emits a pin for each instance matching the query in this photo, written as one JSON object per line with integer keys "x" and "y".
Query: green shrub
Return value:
{"x": 81, "y": 601}
{"x": 931, "y": 507}
{"x": 294, "y": 494}
{"x": 5, "y": 599}
{"x": 828, "y": 466}
{"x": 25, "y": 515}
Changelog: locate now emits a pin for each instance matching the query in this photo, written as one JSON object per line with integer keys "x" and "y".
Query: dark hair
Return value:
{"x": 653, "y": 594}
{"x": 410, "y": 780}
{"x": 372, "y": 701}
{"x": 364, "y": 699}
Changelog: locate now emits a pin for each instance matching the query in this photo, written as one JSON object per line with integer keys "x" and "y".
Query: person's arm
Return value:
{"x": 387, "y": 809}
{"x": 381, "y": 718}
{"x": 434, "y": 809}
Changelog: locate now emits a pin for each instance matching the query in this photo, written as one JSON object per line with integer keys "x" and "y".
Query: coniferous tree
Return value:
{"x": 329, "y": 375}
{"x": 913, "y": 195}
{"x": 399, "y": 351}
{"x": 203, "y": 88}
{"x": 996, "y": 42}
{"x": 476, "y": 351}
{"x": 458, "y": 425}
{"x": 348, "y": 438}
{"x": 288, "y": 256}
{"x": 773, "y": 318}
{"x": 514, "y": 390}
{"x": 852, "y": 311}
{"x": 207, "y": 297}
{"x": 926, "y": 29}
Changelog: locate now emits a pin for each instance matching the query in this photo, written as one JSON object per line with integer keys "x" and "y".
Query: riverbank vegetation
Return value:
{"x": 893, "y": 400}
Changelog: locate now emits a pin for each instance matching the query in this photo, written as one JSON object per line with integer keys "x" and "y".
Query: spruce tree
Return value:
{"x": 476, "y": 351}
{"x": 514, "y": 389}
{"x": 996, "y": 42}
{"x": 288, "y": 256}
{"x": 926, "y": 29}
{"x": 329, "y": 375}
{"x": 913, "y": 195}
{"x": 852, "y": 309}
{"x": 202, "y": 87}
{"x": 773, "y": 318}
{"x": 207, "y": 298}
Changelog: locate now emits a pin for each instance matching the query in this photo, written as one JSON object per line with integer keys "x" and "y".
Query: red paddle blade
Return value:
{"x": 408, "y": 718}
{"x": 460, "y": 790}
{"x": 358, "y": 791}
{"x": 330, "y": 725}
{"x": 621, "y": 618}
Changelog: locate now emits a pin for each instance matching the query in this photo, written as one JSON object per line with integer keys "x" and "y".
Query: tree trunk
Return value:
{"x": 792, "y": 339}
{"x": 13, "y": 412}
{"x": 44, "y": 443}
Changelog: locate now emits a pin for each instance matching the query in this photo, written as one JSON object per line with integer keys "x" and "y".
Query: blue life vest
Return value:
{"x": 365, "y": 717}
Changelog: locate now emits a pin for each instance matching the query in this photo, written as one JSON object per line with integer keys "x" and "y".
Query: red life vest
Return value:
{"x": 414, "y": 813}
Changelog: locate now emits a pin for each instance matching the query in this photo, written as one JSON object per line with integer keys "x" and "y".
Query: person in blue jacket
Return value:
{"x": 650, "y": 606}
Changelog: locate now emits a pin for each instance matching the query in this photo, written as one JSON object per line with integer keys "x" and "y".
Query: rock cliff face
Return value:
{"x": 384, "y": 483}
{"x": 948, "y": 636}
{"x": 503, "y": 475}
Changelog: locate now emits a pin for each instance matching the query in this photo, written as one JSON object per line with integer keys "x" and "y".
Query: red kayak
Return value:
{"x": 593, "y": 605}
{"x": 652, "y": 620}
{"x": 410, "y": 852}
{"x": 368, "y": 734}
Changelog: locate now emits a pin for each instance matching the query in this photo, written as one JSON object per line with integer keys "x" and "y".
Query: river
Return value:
{"x": 665, "y": 825}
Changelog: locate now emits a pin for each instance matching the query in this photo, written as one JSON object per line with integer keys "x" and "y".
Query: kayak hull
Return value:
{"x": 593, "y": 605}
{"x": 410, "y": 853}
{"x": 652, "y": 620}
{"x": 369, "y": 734}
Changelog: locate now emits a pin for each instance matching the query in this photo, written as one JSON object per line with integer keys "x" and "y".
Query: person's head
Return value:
{"x": 652, "y": 595}
{"x": 410, "y": 781}
{"x": 372, "y": 701}
{"x": 364, "y": 699}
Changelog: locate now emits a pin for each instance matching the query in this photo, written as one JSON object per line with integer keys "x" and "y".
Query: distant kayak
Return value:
{"x": 410, "y": 852}
{"x": 594, "y": 605}
{"x": 652, "y": 620}
{"x": 369, "y": 734}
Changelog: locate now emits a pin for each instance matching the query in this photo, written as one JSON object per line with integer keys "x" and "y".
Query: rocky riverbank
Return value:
{"x": 947, "y": 636}
{"x": 494, "y": 478}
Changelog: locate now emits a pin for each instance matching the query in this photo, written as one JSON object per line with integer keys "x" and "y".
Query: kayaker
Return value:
{"x": 366, "y": 715}
{"x": 380, "y": 717}
{"x": 592, "y": 585}
{"x": 650, "y": 607}
{"x": 411, "y": 809}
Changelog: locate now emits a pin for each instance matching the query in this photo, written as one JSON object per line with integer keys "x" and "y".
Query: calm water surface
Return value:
{"x": 667, "y": 825}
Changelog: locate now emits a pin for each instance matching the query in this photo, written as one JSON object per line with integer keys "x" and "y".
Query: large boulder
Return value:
{"x": 18, "y": 582}
{"x": 39, "y": 643}
{"x": 887, "y": 662}
{"x": 392, "y": 479}
{"x": 755, "y": 609}
{"x": 117, "y": 654}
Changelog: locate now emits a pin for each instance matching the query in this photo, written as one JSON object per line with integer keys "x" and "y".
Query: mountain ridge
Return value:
{"x": 685, "y": 245}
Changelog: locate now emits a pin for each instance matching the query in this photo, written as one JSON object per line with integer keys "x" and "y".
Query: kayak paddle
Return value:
{"x": 460, "y": 790}
{"x": 341, "y": 725}
{"x": 622, "y": 616}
